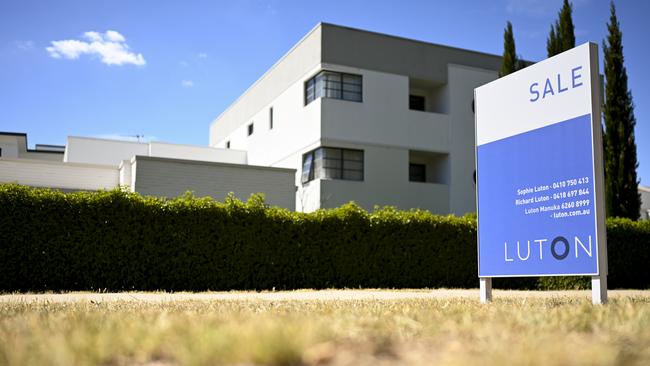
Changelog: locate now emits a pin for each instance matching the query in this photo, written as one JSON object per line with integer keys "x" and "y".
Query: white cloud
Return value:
{"x": 203, "y": 55}
{"x": 187, "y": 83}
{"x": 110, "y": 47}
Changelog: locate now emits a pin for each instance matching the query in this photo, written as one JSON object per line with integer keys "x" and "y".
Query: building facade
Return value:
{"x": 365, "y": 117}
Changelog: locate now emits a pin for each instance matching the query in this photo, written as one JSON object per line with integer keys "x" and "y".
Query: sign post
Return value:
{"x": 539, "y": 166}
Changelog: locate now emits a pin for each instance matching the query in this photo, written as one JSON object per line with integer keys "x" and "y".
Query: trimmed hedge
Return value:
{"x": 116, "y": 240}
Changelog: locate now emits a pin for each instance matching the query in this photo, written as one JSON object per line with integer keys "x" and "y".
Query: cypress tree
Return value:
{"x": 567, "y": 35}
{"x": 553, "y": 42}
{"x": 562, "y": 36}
{"x": 510, "y": 62}
{"x": 621, "y": 185}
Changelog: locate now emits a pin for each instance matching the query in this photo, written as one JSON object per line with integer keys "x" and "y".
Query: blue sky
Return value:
{"x": 170, "y": 67}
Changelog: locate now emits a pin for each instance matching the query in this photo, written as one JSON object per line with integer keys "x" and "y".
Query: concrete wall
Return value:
{"x": 462, "y": 81}
{"x": 386, "y": 183}
{"x": 396, "y": 55}
{"x": 9, "y": 146}
{"x": 102, "y": 151}
{"x": 112, "y": 152}
{"x": 191, "y": 152}
{"x": 14, "y": 146}
{"x": 39, "y": 173}
{"x": 295, "y": 126}
{"x": 384, "y": 116}
{"x": 172, "y": 178}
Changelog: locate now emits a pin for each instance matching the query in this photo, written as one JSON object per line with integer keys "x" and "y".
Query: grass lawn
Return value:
{"x": 447, "y": 331}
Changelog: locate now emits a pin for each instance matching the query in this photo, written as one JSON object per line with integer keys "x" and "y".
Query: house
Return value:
{"x": 152, "y": 168}
{"x": 365, "y": 117}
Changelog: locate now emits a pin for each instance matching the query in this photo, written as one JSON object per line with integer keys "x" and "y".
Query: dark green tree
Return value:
{"x": 510, "y": 62}
{"x": 562, "y": 36}
{"x": 621, "y": 185}
{"x": 553, "y": 42}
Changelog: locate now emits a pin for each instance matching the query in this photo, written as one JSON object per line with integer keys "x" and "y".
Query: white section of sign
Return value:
{"x": 548, "y": 92}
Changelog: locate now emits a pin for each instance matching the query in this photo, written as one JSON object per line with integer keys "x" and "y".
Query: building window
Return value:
{"x": 417, "y": 172}
{"x": 334, "y": 85}
{"x": 416, "y": 102}
{"x": 332, "y": 163}
{"x": 227, "y": 144}
{"x": 271, "y": 118}
{"x": 250, "y": 129}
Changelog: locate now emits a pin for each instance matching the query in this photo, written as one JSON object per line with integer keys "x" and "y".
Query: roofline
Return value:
{"x": 198, "y": 146}
{"x": 105, "y": 139}
{"x": 44, "y": 151}
{"x": 27, "y": 149}
{"x": 49, "y": 145}
{"x": 13, "y": 134}
{"x": 644, "y": 188}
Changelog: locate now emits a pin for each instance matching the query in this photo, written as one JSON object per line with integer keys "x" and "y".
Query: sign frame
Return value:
{"x": 599, "y": 278}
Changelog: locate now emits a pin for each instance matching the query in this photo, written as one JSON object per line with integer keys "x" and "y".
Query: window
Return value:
{"x": 250, "y": 129}
{"x": 227, "y": 144}
{"x": 334, "y": 85}
{"x": 0, "y": 152}
{"x": 416, "y": 102}
{"x": 332, "y": 163}
{"x": 417, "y": 172}
{"x": 271, "y": 118}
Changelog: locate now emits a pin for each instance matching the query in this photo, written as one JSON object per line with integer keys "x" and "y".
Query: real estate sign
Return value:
{"x": 539, "y": 170}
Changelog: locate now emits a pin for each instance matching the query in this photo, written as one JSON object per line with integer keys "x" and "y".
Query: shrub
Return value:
{"x": 117, "y": 240}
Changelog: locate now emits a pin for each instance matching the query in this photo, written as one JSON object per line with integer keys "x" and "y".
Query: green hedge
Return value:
{"x": 116, "y": 240}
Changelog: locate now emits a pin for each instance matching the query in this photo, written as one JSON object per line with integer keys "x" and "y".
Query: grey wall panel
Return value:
{"x": 396, "y": 55}
{"x": 172, "y": 177}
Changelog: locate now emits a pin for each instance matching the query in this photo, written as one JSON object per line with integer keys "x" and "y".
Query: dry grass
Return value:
{"x": 460, "y": 331}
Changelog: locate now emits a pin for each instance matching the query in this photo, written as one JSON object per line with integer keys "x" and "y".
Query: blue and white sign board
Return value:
{"x": 539, "y": 170}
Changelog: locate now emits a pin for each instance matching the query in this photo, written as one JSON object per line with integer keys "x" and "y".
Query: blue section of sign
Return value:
{"x": 536, "y": 204}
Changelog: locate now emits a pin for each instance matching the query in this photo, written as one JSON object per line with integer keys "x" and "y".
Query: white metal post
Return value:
{"x": 486, "y": 289}
{"x": 599, "y": 289}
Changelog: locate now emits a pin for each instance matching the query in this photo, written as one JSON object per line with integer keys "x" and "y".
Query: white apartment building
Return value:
{"x": 365, "y": 117}
{"x": 345, "y": 115}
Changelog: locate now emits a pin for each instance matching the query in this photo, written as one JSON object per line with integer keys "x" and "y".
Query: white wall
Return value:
{"x": 39, "y": 173}
{"x": 172, "y": 178}
{"x": 291, "y": 68}
{"x": 462, "y": 81}
{"x": 384, "y": 116}
{"x": 102, "y": 151}
{"x": 386, "y": 183}
{"x": 192, "y": 152}
{"x": 112, "y": 152}
{"x": 294, "y": 127}
{"x": 9, "y": 146}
